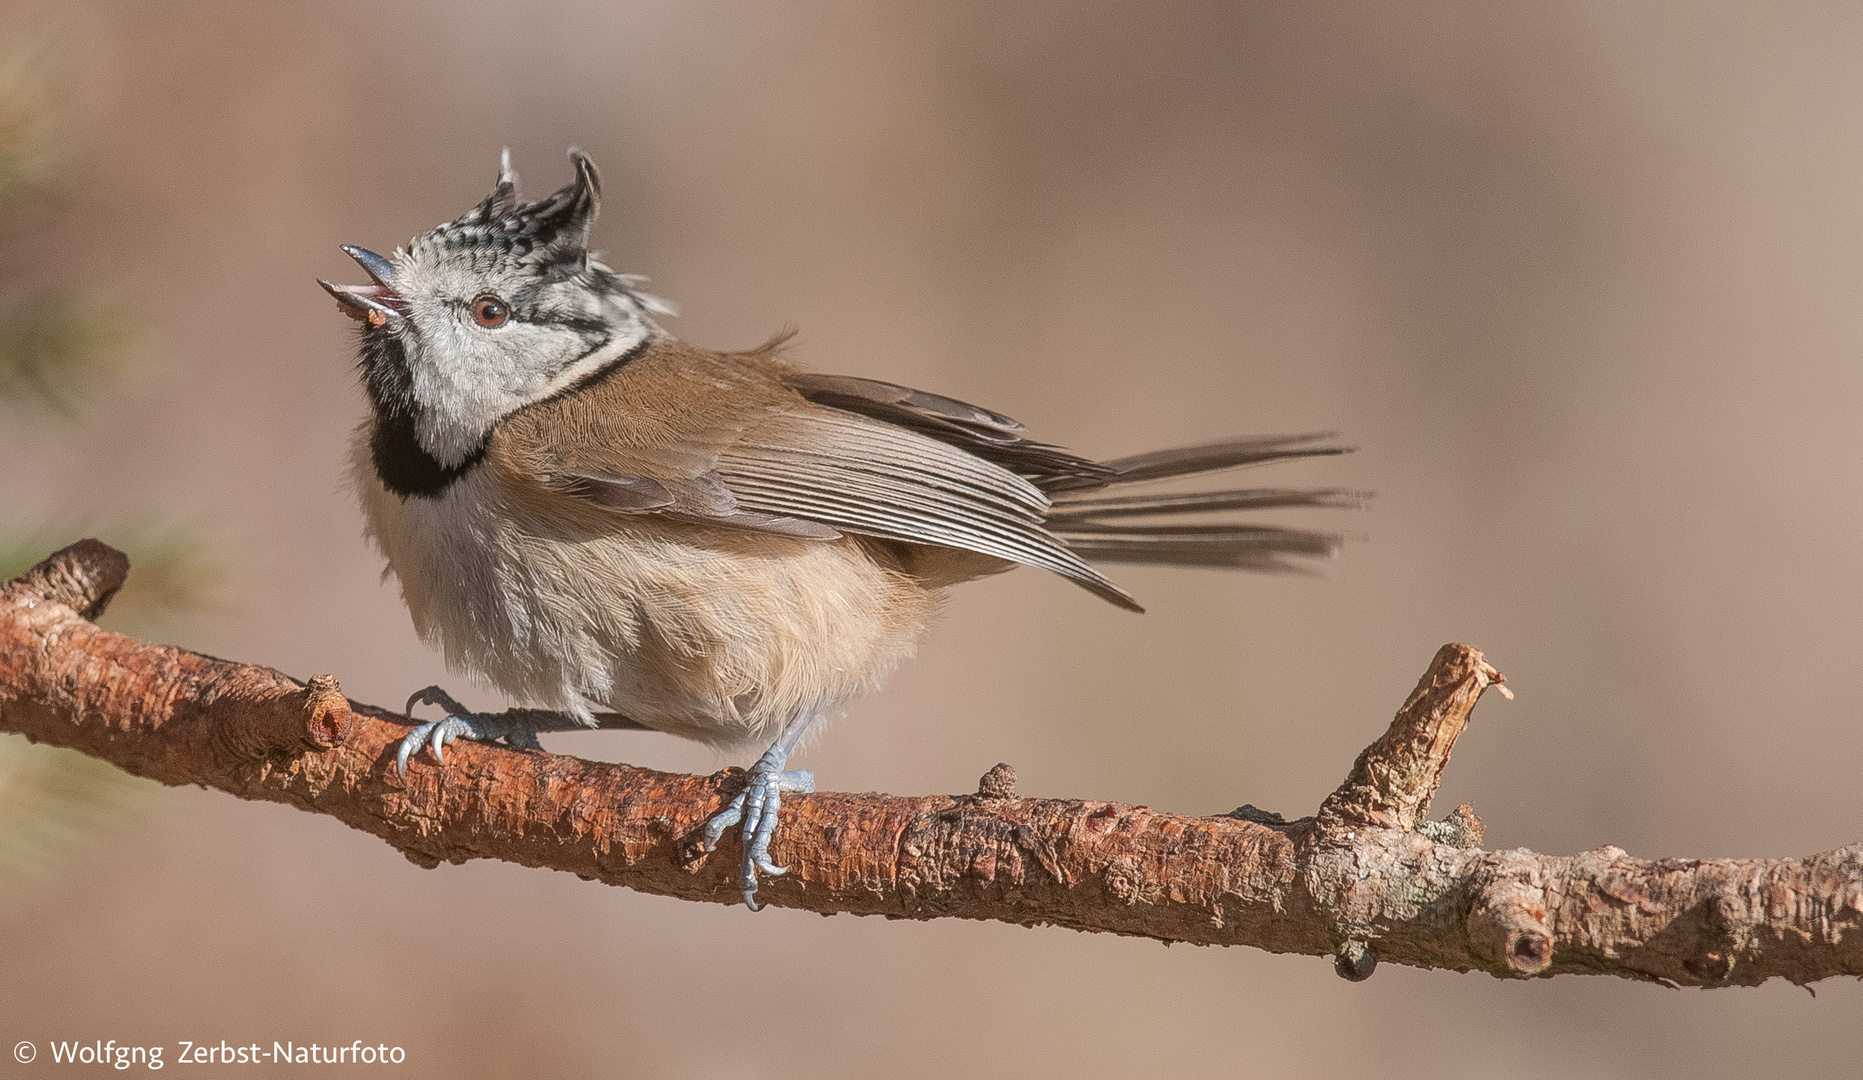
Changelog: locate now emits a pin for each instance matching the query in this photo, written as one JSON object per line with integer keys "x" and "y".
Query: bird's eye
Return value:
{"x": 489, "y": 311}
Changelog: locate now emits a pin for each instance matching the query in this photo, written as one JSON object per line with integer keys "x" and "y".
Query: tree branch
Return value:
{"x": 1368, "y": 878}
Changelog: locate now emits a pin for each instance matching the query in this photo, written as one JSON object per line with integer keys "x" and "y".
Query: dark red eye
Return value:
{"x": 490, "y": 311}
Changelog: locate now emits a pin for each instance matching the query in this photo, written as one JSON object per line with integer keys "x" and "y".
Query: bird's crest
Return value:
{"x": 552, "y": 231}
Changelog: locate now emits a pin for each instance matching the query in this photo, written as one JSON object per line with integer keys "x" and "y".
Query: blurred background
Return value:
{"x": 1579, "y": 280}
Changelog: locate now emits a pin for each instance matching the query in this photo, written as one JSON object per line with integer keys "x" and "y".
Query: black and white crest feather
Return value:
{"x": 550, "y": 235}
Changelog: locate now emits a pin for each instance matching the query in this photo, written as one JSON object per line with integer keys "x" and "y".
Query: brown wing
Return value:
{"x": 726, "y": 440}
{"x": 865, "y": 476}
{"x": 989, "y": 435}
{"x": 644, "y": 438}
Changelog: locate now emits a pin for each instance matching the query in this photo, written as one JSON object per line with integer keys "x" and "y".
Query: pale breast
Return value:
{"x": 715, "y": 634}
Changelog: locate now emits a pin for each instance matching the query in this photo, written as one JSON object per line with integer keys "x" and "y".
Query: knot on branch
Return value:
{"x": 327, "y": 720}
{"x": 270, "y": 717}
{"x": 1460, "y": 829}
{"x": 1507, "y": 925}
{"x": 83, "y": 577}
{"x": 1251, "y": 812}
{"x": 998, "y": 783}
{"x": 1370, "y": 864}
{"x": 1355, "y": 961}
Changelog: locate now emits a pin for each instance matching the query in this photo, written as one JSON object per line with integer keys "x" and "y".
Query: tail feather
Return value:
{"x": 1271, "y": 551}
{"x": 1172, "y": 529}
{"x": 1197, "y": 502}
{"x": 1190, "y": 460}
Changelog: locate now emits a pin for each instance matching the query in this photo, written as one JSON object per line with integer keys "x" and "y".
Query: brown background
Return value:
{"x": 1580, "y": 281}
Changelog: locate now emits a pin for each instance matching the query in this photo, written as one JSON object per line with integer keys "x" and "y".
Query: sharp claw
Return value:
{"x": 419, "y": 697}
{"x": 747, "y": 883}
{"x": 410, "y": 745}
{"x": 433, "y": 695}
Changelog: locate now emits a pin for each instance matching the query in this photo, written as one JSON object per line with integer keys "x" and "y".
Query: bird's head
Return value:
{"x": 496, "y": 309}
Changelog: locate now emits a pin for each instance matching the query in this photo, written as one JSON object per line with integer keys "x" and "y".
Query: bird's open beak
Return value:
{"x": 376, "y": 303}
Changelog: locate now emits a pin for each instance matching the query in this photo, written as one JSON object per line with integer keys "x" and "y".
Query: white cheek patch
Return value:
{"x": 462, "y": 385}
{"x": 627, "y": 334}
{"x": 467, "y": 378}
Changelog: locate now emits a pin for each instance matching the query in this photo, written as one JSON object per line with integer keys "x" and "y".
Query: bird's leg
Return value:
{"x": 757, "y": 805}
{"x": 518, "y": 727}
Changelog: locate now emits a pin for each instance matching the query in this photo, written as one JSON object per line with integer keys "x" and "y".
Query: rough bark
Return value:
{"x": 1367, "y": 879}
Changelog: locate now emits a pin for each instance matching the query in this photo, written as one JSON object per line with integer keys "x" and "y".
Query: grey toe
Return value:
{"x": 461, "y": 724}
{"x": 757, "y": 809}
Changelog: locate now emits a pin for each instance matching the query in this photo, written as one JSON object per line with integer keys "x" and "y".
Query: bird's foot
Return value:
{"x": 460, "y": 723}
{"x": 756, "y": 806}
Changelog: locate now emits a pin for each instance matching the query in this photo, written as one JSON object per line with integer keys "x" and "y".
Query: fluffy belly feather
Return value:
{"x": 713, "y": 634}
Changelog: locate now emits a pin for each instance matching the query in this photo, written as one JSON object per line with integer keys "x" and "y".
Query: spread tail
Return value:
{"x": 1177, "y": 529}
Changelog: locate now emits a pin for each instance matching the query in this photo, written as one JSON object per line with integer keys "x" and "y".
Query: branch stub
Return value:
{"x": 84, "y": 577}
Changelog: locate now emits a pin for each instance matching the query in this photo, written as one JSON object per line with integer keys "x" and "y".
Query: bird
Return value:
{"x": 597, "y": 518}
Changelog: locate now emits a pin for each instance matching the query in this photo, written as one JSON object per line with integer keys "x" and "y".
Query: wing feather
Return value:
{"x": 732, "y": 440}
{"x": 985, "y": 433}
{"x": 863, "y": 475}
